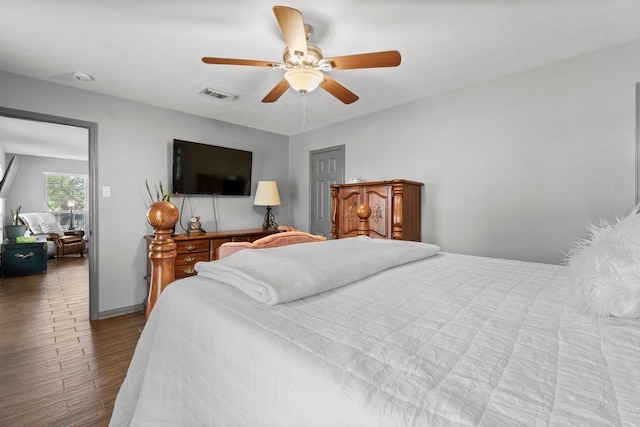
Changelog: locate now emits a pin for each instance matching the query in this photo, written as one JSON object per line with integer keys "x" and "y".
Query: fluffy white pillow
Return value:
{"x": 605, "y": 270}
{"x": 33, "y": 222}
{"x": 52, "y": 227}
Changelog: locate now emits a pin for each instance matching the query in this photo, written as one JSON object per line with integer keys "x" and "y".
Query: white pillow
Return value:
{"x": 33, "y": 221}
{"x": 52, "y": 227}
{"x": 605, "y": 270}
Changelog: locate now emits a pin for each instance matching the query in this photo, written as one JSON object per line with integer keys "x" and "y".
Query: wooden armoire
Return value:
{"x": 395, "y": 209}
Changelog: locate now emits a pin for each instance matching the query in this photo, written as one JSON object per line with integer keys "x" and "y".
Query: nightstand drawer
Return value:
{"x": 191, "y": 258}
{"x": 190, "y": 246}
{"x": 184, "y": 271}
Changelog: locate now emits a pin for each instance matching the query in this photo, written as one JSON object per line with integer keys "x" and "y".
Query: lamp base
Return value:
{"x": 269, "y": 220}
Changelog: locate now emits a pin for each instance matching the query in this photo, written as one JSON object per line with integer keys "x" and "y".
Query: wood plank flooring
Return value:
{"x": 56, "y": 367}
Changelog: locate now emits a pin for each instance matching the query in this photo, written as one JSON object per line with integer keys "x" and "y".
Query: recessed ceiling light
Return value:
{"x": 83, "y": 77}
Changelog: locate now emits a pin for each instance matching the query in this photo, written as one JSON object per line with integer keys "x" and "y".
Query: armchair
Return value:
{"x": 60, "y": 242}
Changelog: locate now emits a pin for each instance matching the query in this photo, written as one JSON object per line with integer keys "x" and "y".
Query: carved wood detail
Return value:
{"x": 376, "y": 214}
{"x": 397, "y": 216}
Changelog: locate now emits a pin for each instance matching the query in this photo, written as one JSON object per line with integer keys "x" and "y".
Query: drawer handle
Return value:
{"x": 190, "y": 259}
{"x": 23, "y": 256}
{"x": 189, "y": 270}
{"x": 190, "y": 247}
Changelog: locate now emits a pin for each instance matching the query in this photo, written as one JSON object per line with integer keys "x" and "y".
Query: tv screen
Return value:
{"x": 208, "y": 169}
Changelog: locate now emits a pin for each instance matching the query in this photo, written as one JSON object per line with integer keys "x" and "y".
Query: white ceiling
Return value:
{"x": 18, "y": 136}
{"x": 150, "y": 51}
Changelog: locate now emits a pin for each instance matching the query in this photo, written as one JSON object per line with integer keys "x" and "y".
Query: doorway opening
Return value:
{"x": 91, "y": 224}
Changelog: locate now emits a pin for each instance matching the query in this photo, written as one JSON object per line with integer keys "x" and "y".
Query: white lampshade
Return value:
{"x": 304, "y": 79}
{"x": 267, "y": 194}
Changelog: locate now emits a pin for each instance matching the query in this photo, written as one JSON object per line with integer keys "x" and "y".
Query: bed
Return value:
{"x": 388, "y": 333}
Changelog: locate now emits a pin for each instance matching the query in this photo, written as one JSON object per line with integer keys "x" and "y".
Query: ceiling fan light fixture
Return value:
{"x": 304, "y": 63}
{"x": 304, "y": 80}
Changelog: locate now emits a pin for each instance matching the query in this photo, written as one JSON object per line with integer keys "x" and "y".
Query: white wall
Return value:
{"x": 28, "y": 186}
{"x": 514, "y": 167}
{"x": 134, "y": 143}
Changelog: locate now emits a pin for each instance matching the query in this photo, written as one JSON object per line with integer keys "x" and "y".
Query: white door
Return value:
{"x": 326, "y": 167}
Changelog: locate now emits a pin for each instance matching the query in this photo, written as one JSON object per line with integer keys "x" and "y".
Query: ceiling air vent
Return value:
{"x": 215, "y": 93}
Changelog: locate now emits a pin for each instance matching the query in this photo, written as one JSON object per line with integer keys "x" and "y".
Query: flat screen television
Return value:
{"x": 209, "y": 169}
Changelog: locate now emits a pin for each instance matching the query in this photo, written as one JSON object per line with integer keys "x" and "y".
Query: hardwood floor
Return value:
{"x": 56, "y": 367}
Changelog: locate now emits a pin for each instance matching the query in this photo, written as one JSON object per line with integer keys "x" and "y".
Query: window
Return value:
{"x": 66, "y": 199}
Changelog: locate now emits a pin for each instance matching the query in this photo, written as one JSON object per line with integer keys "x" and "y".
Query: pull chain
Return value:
{"x": 304, "y": 110}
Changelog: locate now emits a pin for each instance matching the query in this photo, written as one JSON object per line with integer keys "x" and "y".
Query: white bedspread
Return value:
{"x": 449, "y": 340}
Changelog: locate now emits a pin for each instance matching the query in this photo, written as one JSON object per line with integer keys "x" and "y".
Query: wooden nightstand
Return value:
{"x": 23, "y": 259}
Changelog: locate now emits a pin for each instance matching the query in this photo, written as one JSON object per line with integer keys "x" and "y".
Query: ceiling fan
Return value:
{"x": 304, "y": 64}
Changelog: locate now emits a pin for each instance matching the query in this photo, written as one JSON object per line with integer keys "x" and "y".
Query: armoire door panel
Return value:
{"x": 379, "y": 200}
{"x": 349, "y": 220}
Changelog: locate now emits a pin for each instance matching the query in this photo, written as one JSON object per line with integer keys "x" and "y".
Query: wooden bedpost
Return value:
{"x": 162, "y": 216}
{"x": 363, "y": 211}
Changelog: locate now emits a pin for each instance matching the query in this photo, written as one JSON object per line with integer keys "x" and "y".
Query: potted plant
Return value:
{"x": 160, "y": 194}
{"x": 16, "y": 229}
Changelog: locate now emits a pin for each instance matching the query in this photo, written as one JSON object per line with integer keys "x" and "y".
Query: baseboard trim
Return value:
{"x": 120, "y": 311}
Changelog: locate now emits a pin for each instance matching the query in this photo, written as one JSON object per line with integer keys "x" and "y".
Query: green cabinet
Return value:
{"x": 23, "y": 259}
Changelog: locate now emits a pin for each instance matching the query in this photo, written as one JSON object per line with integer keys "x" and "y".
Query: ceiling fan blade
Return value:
{"x": 389, "y": 58}
{"x": 292, "y": 27}
{"x": 277, "y": 91}
{"x": 230, "y": 61}
{"x": 337, "y": 90}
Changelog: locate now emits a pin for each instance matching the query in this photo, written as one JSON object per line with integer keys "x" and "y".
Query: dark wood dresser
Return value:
{"x": 395, "y": 209}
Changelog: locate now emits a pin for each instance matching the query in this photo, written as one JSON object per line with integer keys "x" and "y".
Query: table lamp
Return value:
{"x": 71, "y": 204}
{"x": 267, "y": 195}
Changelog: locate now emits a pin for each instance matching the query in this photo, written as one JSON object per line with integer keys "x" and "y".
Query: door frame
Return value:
{"x": 342, "y": 150}
{"x": 92, "y": 148}
{"x": 637, "y": 147}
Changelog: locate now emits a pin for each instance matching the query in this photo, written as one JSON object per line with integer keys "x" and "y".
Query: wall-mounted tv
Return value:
{"x": 209, "y": 169}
